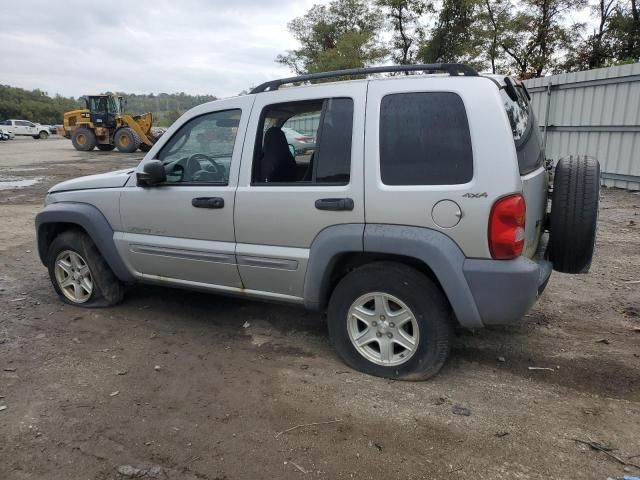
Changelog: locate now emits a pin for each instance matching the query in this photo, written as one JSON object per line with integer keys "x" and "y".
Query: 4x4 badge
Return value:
{"x": 475, "y": 195}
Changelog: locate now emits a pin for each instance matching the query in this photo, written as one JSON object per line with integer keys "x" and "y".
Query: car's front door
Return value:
{"x": 288, "y": 194}
{"x": 182, "y": 231}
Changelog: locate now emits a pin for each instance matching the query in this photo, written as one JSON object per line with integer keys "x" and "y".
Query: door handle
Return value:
{"x": 208, "y": 202}
{"x": 334, "y": 204}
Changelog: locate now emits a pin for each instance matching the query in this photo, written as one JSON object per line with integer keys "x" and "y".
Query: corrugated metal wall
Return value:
{"x": 307, "y": 124}
{"x": 597, "y": 113}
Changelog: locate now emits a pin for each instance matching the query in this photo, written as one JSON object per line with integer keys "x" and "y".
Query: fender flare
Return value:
{"x": 92, "y": 221}
{"x": 433, "y": 248}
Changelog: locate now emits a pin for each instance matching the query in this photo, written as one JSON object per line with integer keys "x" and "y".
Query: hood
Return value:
{"x": 104, "y": 180}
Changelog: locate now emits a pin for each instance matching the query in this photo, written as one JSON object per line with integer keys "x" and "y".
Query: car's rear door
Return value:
{"x": 436, "y": 150}
{"x": 277, "y": 221}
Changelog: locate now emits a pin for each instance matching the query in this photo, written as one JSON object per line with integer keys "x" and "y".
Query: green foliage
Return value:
{"x": 529, "y": 38}
{"x": 452, "y": 38}
{"x": 167, "y": 119}
{"x": 34, "y": 105}
{"x": 490, "y": 30}
{"x": 163, "y": 103}
{"x": 37, "y": 106}
{"x": 538, "y": 33}
{"x": 408, "y": 33}
{"x": 340, "y": 35}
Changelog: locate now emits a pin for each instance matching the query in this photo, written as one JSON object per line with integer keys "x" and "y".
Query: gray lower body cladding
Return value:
{"x": 504, "y": 290}
{"x": 480, "y": 291}
{"x": 92, "y": 221}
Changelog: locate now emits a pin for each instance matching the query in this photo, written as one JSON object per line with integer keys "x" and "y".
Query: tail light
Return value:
{"x": 506, "y": 227}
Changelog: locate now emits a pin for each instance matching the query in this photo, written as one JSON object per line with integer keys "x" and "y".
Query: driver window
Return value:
{"x": 201, "y": 150}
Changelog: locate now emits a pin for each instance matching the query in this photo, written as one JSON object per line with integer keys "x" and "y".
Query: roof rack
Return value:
{"x": 452, "y": 69}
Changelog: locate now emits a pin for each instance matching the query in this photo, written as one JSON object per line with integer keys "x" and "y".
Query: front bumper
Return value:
{"x": 504, "y": 290}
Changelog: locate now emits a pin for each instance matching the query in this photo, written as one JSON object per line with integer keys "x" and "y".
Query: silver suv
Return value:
{"x": 425, "y": 204}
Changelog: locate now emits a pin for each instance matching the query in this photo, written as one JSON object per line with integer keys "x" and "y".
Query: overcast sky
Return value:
{"x": 75, "y": 47}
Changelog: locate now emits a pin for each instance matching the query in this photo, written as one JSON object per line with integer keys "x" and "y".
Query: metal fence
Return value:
{"x": 597, "y": 113}
{"x": 307, "y": 124}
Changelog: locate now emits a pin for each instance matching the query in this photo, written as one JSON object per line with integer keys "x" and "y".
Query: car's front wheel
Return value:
{"x": 390, "y": 320}
{"x": 79, "y": 274}
{"x": 126, "y": 140}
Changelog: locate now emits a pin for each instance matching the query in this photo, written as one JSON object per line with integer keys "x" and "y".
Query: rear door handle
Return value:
{"x": 334, "y": 204}
{"x": 208, "y": 202}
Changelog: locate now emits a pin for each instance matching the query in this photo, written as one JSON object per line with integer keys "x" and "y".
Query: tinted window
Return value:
{"x": 334, "y": 146}
{"x": 424, "y": 139}
{"x": 201, "y": 150}
{"x": 524, "y": 128}
{"x": 305, "y": 143}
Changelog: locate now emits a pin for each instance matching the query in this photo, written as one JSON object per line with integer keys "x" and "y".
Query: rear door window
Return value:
{"x": 424, "y": 139}
{"x": 305, "y": 142}
{"x": 524, "y": 128}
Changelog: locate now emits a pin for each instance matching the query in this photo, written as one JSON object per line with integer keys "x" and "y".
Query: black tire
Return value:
{"x": 106, "y": 147}
{"x": 426, "y": 302}
{"x": 107, "y": 289}
{"x": 126, "y": 140}
{"x": 43, "y": 135}
{"x": 144, "y": 147}
{"x": 84, "y": 139}
{"x": 574, "y": 214}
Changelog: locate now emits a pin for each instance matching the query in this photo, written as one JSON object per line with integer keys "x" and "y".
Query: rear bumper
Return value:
{"x": 504, "y": 290}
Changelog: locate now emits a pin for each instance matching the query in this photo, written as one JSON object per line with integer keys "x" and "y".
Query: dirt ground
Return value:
{"x": 171, "y": 384}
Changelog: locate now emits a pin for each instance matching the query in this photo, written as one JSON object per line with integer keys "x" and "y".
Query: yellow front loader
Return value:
{"x": 104, "y": 124}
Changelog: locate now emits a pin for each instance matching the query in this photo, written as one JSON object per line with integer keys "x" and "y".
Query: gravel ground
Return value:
{"x": 170, "y": 384}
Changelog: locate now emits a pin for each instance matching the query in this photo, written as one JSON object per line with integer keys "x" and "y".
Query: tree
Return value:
{"x": 625, "y": 32}
{"x": 537, "y": 34}
{"x": 596, "y": 50}
{"x": 169, "y": 118}
{"x": 340, "y": 35}
{"x": 491, "y": 27}
{"x": 452, "y": 38}
{"x": 407, "y": 32}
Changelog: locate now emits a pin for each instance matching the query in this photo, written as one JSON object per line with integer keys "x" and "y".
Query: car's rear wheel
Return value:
{"x": 390, "y": 320}
{"x": 83, "y": 139}
{"x": 79, "y": 274}
{"x": 574, "y": 214}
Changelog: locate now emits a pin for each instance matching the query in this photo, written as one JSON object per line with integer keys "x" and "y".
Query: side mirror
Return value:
{"x": 152, "y": 173}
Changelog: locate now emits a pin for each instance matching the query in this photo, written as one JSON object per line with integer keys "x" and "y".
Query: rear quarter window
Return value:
{"x": 524, "y": 129}
{"x": 424, "y": 139}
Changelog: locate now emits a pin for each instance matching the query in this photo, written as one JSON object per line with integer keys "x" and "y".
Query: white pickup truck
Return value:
{"x": 25, "y": 127}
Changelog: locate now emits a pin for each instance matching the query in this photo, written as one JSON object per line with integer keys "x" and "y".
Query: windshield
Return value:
{"x": 201, "y": 150}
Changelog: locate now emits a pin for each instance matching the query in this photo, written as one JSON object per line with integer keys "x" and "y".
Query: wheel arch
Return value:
{"x": 339, "y": 249}
{"x": 60, "y": 217}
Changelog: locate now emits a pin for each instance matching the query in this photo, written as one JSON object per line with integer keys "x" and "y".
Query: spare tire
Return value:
{"x": 574, "y": 214}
